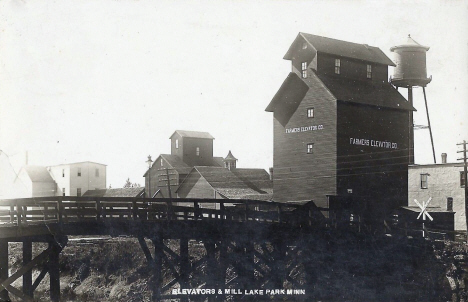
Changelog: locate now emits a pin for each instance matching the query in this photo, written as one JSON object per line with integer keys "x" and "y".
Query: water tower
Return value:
{"x": 410, "y": 71}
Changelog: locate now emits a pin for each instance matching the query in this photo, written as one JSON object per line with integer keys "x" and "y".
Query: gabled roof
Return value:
{"x": 340, "y": 48}
{"x": 256, "y": 179}
{"x": 229, "y": 184}
{"x": 218, "y": 161}
{"x": 288, "y": 98}
{"x": 38, "y": 174}
{"x": 194, "y": 134}
{"x": 78, "y": 163}
{"x": 230, "y": 156}
{"x": 174, "y": 162}
{"x": 116, "y": 192}
{"x": 366, "y": 93}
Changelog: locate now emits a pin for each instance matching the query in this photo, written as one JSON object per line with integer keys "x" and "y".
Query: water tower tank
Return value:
{"x": 410, "y": 60}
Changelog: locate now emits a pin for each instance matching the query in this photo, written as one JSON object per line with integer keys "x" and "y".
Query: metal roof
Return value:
{"x": 116, "y": 192}
{"x": 194, "y": 134}
{"x": 235, "y": 185}
{"x": 38, "y": 174}
{"x": 288, "y": 98}
{"x": 341, "y": 48}
{"x": 410, "y": 43}
{"x": 366, "y": 93}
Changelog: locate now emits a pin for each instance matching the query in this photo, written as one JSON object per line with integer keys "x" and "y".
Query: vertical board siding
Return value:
{"x": 298, "y": 175}
{"x": 377, "y": 176}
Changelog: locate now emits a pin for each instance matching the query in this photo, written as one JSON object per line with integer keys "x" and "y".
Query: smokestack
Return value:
{"x": 271, "y": 173}
{"x": 444, "y": 158}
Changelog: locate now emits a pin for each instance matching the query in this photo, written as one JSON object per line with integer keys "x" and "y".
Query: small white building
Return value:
{"x": 36, "y": 180}
{"x": 442, "y": 182}
{"x": 76, "y": 178}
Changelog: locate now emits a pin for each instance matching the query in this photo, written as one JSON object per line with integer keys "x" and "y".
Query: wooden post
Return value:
{"x": 249, "y": 264}
{"x": 135, "y": 210}
{"x": 54, "y": 271}
{"x": 4, "y": 267}
{"x": 60, "y": 212}
{"x": 222, "y": 267}
{"x": 280, "y": 220}
{"x": 98, "y": 210}
{"x": 211, "y": 278}
{"x": 27, "y": 277}
{"x": 158, "y": 243}
{"x": 184, "y": 262}
{"x": 221, "y": 210}
{"x": 12, "y": 213}
{"x": 196, "y": 210}
{"x": 279, "y": 272}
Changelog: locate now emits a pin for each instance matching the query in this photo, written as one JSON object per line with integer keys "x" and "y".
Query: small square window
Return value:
{"x": 304, "y": 45}
{"x": 369, "y": 71}
{"x": 337, "y": 66}
{"x": 310, "y": 112}
{"x": 304, "y": 69}
{"x": 63, "y": 191}
{"x": 424, "y": 181}
{"x": 79, "y": 172}
{"x": 197, "y": 151}
{"x": 462, "y": 179}
{"x": 63, "y": 172}
{"x": 310, "y": 148}
{"x": 78, "y": 192}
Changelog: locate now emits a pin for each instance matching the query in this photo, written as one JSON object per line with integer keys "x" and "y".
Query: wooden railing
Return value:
{"x": 69, "y": 209}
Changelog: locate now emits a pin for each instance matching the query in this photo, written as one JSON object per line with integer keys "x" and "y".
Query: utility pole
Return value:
{"x": 465, "y": 182}
{"x": 167, "y": 178}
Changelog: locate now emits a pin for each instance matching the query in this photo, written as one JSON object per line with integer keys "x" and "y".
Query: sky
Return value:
{"x": 109, "y": 81}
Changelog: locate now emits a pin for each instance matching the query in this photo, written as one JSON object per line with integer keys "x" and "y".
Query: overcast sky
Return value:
{"x": 110, "y": 81}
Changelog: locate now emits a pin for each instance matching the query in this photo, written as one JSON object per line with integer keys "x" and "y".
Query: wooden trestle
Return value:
{"x": 248, "y": 243}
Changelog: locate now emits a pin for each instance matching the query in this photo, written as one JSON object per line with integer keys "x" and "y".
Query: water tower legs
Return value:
{"x": 411, "y": 128}
{"x": 429, "y": 124}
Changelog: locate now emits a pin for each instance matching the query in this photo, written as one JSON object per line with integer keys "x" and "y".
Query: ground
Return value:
{"x": 340, "y": 267}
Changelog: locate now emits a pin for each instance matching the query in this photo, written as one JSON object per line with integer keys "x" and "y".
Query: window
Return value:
{"x": 337, "y": 66}
{"x": 97, "y": 173}
{"x": 310, "y": 148}
{"x": 177, "y": 144}
{"x": 197, "y": 151}
{"x": 424, "y": 181}
{"x": 63, "y": 191}
{"x": 63, "y": 172}
{"x": 79, "y": 172}
{"x": 462, "y": 179}
{"x": 304, "y": 70}
{"x": 310, "y": 112}
{"x": 78, "y": 192}
{"x": 304, "y": 45}
{"x": 369, "y": 71}
{"x": 162, "y": 164}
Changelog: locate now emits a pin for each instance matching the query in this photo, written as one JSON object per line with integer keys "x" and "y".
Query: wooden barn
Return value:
{"x": 340, "y": 129}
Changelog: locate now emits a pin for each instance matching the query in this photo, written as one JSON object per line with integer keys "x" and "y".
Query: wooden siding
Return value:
{"x": 378, "y": 176}
{"x": 298, "y": 175}
{"x": 189, "y": 149}
{"x": 195, "y": 186}
{"x": 303, "y": 55}
{"x": 157, "y": 175}
{"x": 350, "y": 68}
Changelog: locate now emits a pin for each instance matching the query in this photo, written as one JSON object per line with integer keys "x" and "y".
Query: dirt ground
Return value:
{"x": 343, "y": 266}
